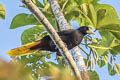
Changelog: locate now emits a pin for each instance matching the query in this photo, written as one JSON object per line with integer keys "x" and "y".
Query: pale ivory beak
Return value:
{"x": 90, "y": 31}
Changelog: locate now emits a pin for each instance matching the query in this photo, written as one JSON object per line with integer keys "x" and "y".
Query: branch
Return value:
{"x": 54, "y": 36}
{"x": 62, "y": 22}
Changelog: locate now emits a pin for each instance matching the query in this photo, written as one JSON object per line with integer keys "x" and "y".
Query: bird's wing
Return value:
{"x": 65, "y": 32}
{"x": 60, "y": 33}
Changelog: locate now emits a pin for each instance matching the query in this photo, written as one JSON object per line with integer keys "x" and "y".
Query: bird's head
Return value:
{"x": 85, "y": 30}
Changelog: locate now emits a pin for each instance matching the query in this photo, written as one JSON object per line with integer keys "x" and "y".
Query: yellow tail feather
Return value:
{"x": 24, "y": 50}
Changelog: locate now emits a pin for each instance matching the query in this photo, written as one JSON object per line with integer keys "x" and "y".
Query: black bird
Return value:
{"x": 71, "y": 38}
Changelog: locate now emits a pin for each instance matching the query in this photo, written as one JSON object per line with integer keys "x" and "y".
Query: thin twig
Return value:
{"x": 83, "y": 50}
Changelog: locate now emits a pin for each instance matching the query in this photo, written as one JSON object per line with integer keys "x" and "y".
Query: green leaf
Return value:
{"x": 45, "y": 2}
{"x": 106, "y": 57}
{"x": 117, "y": 68}
{"x": 23, "y": 20}
{"x": 108, "y": 20}
{"x": 114, "y": 29}
{"x": 92, "y": 14}
{"x": 111, "y": 27}
{"x": 109, "y": 67}
{"x": 84, "y": 14}
{"x": 95, "y": 2}
{"x": 37, "y": 3}
{"x": 48, "y": 56}
{"x": 110, "y": 70}
{"x": 100, "y": 15}
{"x": 2, "y": 11}
{"x": 88, "y": 14}
{"x": 74, "y": 12}
{"x": 115, "y": 50}
{"x": 93, "y": 75}
{"x": 42, "y": 59}
{"x": 111, "y": 59}
{"x": 69, "y": 9}
{"x": 105, "y": 44}
{"x": 84, "y": 10}
{"x": 30, "y": 34}
{"x": 59, "y": 60}
{"x": 108, "y": 17}
{"x": 101, "y": 63}
{"x": 116, "y": 34}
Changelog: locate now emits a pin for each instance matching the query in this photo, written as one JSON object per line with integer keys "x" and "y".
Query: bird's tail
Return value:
{"x": 24, "y": 50}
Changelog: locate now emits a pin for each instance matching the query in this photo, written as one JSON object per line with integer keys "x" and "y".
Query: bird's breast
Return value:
{"x": 76, "y": 40}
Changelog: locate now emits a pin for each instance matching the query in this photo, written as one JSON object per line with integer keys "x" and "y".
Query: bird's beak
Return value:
{"x": 90, "y": 31}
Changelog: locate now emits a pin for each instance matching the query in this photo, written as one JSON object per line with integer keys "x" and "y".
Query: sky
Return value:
{"x": 12, "y": 38}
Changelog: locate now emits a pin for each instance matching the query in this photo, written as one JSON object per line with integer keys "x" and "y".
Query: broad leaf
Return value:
{"x": 115, "y": 50}
{"x": 105, "y": 44}
{"x": 116, "y": 34}
{"x": 89, "y": 14}
{"x": 31, "y": 34}
{"x": 117, "y": 66}
{"x": 106, "y": 57}
{"x": 93, "y": 75}
{"x": 69, "y": 9}
{"x": 113, "y": 28}
{"x": 92, "y": 14}
{"x": 84, "y": 14}
{"x": 108, "y": 17}
{"x": 23, "y": 20}
{"x": 111, "y": 70}
{"x": 2, "y": 11}
{"x": 100, "y": 15}
{"x": 103, "y": 60}
{"x": 101, "y": 63}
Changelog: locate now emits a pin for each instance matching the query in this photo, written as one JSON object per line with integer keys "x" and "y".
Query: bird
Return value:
{"x": 71, "y": 38}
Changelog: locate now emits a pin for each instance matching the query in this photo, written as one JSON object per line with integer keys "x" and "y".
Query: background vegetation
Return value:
{"x": 101, "y": 17}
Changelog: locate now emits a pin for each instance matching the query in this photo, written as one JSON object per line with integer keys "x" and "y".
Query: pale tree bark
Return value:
{"x": 62, "y": 22}
{"x": 54, "y": 36}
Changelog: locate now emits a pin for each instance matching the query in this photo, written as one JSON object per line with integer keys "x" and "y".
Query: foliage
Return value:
{"x": 32, "y": 34}
{"x": 13, "y": 71}
{"x": 101, "y": 17}
{"x": 2, "y": 11}
{"x": 23, "y": 20}
{"x": 93, "y": 75}
{"x": 107, "y": 23}
{"x": 16, "y": 71}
